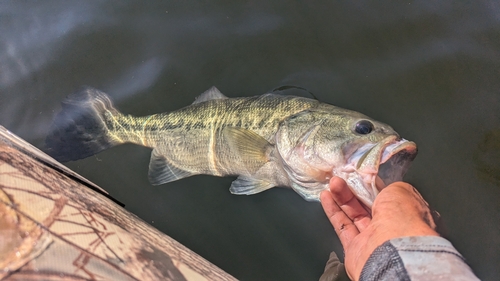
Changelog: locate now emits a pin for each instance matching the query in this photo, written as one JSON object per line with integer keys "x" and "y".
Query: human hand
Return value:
{"x": 399, "y": 210}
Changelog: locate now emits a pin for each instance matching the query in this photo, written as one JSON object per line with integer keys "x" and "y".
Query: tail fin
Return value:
{"x": 80, "y": 129}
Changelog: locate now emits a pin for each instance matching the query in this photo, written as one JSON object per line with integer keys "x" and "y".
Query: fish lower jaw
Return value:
{"x": 370, "y": 183}
{"x": 361, "y": 183}
{"x": 368, "y": 177}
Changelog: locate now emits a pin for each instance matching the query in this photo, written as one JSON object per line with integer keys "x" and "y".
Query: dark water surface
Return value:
{"x": 430, "y": 70}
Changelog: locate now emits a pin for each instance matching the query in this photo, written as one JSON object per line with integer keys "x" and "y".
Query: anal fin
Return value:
{"x": 161, "y": 171}
{"x": 249, "y": 186}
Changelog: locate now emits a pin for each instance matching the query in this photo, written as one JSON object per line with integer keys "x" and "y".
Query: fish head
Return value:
{"x": 315, "y": 145}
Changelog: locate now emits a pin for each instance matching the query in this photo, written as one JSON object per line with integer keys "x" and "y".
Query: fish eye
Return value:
{"x": 364, "y": 127}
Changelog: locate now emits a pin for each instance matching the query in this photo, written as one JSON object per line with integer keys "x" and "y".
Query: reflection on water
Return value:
{"x": 33, "y": 32}
{"x": 429, "y": 70}
{"x": 487, "y": 157}
{"x": 137, "y": 78}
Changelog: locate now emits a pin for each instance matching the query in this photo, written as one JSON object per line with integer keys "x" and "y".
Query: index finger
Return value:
{"x": 351, "y": 206}
{"x": 344, "y": 227}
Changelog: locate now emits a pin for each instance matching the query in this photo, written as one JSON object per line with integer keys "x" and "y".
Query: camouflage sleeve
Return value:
{"x": 416, "y": 258}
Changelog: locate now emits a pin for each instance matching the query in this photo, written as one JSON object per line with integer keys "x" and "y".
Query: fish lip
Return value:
{"x": 380, "y": 165}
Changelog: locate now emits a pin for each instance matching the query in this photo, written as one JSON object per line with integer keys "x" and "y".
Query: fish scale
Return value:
{"x": 268, "y": 140}
{"x": 188, "y": 131}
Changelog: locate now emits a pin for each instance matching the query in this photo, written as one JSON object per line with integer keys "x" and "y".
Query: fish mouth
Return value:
{"x": 394, "y": 167}
{"x": 378, "y": 165}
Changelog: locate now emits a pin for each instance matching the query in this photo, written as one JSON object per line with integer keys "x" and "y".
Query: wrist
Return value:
{"x": 379, "y": 233}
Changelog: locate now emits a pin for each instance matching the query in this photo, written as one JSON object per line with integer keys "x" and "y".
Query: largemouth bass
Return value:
{"x": 267, "y": 141}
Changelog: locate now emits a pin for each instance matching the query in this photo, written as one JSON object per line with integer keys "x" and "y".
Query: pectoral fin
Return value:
{"x": 249, "y": 186}
{"x": 161, "y": 171}
{"x": 253, "y": 149}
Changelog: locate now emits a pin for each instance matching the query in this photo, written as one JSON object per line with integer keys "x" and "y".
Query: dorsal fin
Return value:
{"x": 210, "y": 94}
{"x": 289, "y": 87}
